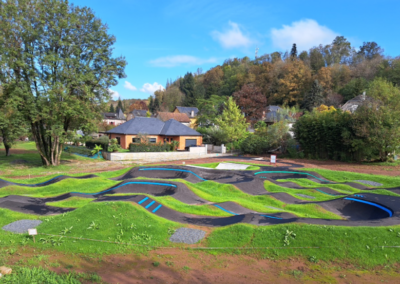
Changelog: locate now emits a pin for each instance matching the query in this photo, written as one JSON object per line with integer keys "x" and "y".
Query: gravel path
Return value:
{"x": 22, "y": 226}
{"x": 372, "y": 183}
{"x": 187, "y": 236}
{"x": 306, "y": 196}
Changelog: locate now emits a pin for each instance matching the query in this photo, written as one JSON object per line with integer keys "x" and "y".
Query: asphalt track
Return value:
{"x": 355, "y": 209}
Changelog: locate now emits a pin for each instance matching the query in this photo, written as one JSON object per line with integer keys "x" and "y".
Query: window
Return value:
{"x": 118, "y": 140}
{"x": 152, "y": 140}
{"x": 135, "y": 140}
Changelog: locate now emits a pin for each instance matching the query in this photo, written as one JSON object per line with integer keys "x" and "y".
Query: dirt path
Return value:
{"x": 181, "y": 266}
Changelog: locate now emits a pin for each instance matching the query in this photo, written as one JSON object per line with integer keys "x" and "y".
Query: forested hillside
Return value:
{"x": 342, "y": 72}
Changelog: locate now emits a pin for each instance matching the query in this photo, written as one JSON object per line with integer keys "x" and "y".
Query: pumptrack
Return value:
{"x": 356, "y": 209}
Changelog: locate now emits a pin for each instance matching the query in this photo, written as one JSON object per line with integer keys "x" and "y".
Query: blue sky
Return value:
{"x": 165, "y": 39}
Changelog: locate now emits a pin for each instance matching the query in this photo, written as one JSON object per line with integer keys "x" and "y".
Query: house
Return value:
{"x": 136, "y": 113}
{"x": 191, "y": 113}
{"x": 156, "y": 131}
{"x": 354, "y": 103}
{"x": 180, "y": 117}
{"x": 112, "y": 118}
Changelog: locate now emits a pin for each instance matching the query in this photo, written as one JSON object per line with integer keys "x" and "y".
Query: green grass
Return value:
{"x": 356, "y": 245}
{"x": 22, "y": 145}
{"x": 216, "y": 192}
{"x": 91, "y": 185}
{"x": 340, "y": 188}
{"x": 215, "y": 165}
{"x": 170, "y": 202}
{"x": 341, "y": 176}
{"x": 72, "y": 202}
{"x": 318, "y": 196}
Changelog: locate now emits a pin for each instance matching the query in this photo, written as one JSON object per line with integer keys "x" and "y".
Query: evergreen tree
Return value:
{"x": 112, "y": 108}
{"x": 187, "y": 87}
{"x": 315, "y": 97}
{"x": 157, "y": 105}
{"x": 151, "y": 104}
{"x": 293, "y": 52}
{"x": 120, "y": 105}
{"x": 232, "y": 122}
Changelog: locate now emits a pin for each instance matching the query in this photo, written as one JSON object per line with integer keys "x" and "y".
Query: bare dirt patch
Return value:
{"x": 182, "y": 266}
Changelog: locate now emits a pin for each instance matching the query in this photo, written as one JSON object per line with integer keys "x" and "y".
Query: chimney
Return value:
{"x": 192, "y": 113}
{"x": 363, "y": 96}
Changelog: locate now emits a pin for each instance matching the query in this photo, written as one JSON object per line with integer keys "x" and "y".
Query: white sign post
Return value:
{"x": 33, "y": 233}
{"x": 273, "y": 159}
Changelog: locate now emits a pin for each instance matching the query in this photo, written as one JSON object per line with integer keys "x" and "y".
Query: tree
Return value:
{"x": 12, "y": 124}
{"x": 58, "y": 58}
{"x": 315, "y": 97}
{"x": 293, "y": 52}
{"x": 112, "y": 108}
{"x": 119, "y": 106}
{"x": 139, "y": 104}
{"x": 151, "y": 104}
{"x": 187, "y": 87}
{"x": 316, "y": 59}
{"x": 210, "y": 109}
{"x": 370, "y": 50}
{"x": 251, "y": 102}
{"x": 232, "y": 122}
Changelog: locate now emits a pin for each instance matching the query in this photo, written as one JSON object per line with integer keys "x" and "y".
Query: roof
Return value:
{"x": 273, "y": 108}
{"x": 139, "y": 112}
{"x": 354, "y": 103}
{"x": 153, "y": 126}
{"x": 112, "y": 115}
{"x": 181, "y": 117}
{"x": 188, "y": 110}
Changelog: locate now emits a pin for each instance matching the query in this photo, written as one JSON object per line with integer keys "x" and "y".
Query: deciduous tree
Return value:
{"x": 59, "y": 58}
{"x": 251, "y": 102}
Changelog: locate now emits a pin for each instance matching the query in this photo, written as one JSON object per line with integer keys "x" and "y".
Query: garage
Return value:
{"x": 190, "y": 143}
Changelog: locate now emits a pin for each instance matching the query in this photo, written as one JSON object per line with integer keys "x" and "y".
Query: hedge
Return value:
{"x": 145, "y": 147}
{"x": 78, "y": 150}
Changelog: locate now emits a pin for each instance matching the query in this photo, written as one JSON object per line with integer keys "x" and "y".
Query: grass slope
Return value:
{"x": 215, "y": 165}
{"x": 357, "y": 245}
{"x": 72, "y": 202}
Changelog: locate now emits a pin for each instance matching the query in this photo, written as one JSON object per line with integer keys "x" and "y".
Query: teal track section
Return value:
{"x": 371, "y": 203}
{"x": 233, "y": 213}
{"x": 286, "y": 172}
{"x": 176, "y": 170}
{"x": 131, "y": 182}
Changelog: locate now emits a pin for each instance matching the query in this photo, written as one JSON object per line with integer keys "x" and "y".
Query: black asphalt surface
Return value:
{"x": 354, "y": 213}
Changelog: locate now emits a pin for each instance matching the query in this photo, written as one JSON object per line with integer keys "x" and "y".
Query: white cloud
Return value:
{"x": 114, "y": 94}
{"x": 151, "y": 88}
{"x": 129, "y": 86}
{"x": 232, "y": 37}
{"x": 177, "y": 60}
{"x": 305, "y": 34}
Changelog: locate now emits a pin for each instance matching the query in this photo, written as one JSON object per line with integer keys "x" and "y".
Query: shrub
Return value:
{"x": 78, "y": 150}
{"x": 102, "y": 141}
{"x": 213, "y": 135}
{"x": 146, "y": 147}
{"x": 255, "y": 144}
{"x": 114, "y": 146}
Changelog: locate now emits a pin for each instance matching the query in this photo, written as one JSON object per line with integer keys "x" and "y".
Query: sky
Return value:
{"x": 162, "y": 39}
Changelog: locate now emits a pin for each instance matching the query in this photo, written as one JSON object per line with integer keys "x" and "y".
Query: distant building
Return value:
{"x": 191, "y": 113}
{"x": 354, "y": 103}
{"x": 136, "y": 113}
{"x": 180, "y": 117}
{"x": 112, "y": 118}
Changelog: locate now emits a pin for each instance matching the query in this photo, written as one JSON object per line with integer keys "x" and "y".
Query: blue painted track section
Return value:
{"x": 158, "y": 207}
{"x": 287, "y": 172}
{"x": 272, "y": 217}
{"x": 176, "y": 170}
{"x": 325, "y": 192}
{"x": 143, "y": 200}
{"x": 225, "y": 210}
{"x": 149, "y": 205}
{"x": 131, "y": 182}
{"x": 371, "y": 203}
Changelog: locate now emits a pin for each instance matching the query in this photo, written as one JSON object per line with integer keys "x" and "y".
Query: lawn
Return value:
{"x": 215, "y": 165}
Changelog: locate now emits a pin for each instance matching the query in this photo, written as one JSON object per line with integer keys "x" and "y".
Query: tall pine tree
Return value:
{"x": 293, "y": 52}
{"x": 315, "y": 97}
{"x": 112, "y": 108}
{"x": 187, "y": 87}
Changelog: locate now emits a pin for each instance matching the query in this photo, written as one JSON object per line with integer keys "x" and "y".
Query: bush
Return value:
{"x": 213, "y": 135}
{"x": 78, "y": 150}
{"x": 146, "y": 147}
{"x": 255, "y": 144}
{"x": 102, "y": 141}
{"x": 114, "y": 146}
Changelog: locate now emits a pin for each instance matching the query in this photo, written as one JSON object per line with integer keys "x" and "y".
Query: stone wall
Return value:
{"x": 154, "y": 157}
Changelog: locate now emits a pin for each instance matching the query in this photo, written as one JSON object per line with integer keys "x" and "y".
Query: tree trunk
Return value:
{"x": 7, "y": 149}
{"x": 49, "y": 148}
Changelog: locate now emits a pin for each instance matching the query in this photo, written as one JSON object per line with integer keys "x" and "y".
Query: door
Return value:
{"x": 190, "y": 143}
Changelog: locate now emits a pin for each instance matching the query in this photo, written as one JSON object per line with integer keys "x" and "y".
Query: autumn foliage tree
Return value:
{"x": 139, "y": 104}
{"x": 251, "y": 101}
